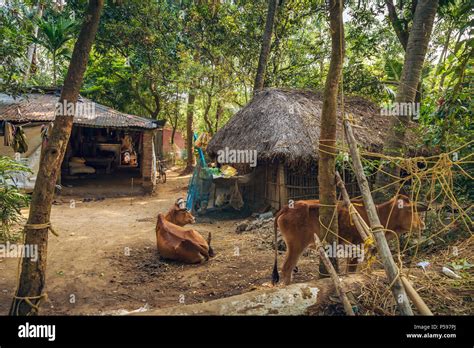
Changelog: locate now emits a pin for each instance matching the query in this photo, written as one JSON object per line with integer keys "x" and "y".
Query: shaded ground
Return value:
{"x": 122, "y": 182}
{"x": 105, "y": 258}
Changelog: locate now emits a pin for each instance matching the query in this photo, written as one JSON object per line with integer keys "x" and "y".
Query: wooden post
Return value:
{"x": 335, "y": 278}
{"x": 359, "y": 223}
{"x": 281, "y": 179}
{"x": 391, "y": 269}
{"x": 415, "y": 298}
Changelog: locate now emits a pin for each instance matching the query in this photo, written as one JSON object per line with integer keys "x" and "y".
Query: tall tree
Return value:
{"x": 266, "y": 44}
{"x": 401, "y": 24}
{"x": 327, "y": 141}
{"x": 33, "y": 274}
{"x": 32, "y": 49}
{"x": 190, "y": 132}
{"x": 417, "y": 46}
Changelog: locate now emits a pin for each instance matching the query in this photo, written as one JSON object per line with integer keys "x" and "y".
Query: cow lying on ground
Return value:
{"x": 178, "y": 243}
{"x": 299, "y": 223}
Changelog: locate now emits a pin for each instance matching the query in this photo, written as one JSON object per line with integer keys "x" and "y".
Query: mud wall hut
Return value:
{"x": 283, "y": 127}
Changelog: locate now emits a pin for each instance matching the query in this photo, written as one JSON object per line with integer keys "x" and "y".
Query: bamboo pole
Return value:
{"x": 391, "y": 269}
{"x": 335, "y": 278}
{"x": 363, "y": 229}
{"x": 361, "y": 226}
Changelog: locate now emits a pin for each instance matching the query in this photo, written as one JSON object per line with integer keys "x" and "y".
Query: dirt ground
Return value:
{"x": 105, "y": 259}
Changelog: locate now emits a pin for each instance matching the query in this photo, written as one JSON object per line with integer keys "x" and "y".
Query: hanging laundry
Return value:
{"x": 20, "y": 143}
{"x": 8, "y": 134}
{"x": 45, "y": 132}
{"x": 236, "y": 201}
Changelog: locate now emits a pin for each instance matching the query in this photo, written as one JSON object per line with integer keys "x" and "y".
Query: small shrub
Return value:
{"x": 11, "y": 199}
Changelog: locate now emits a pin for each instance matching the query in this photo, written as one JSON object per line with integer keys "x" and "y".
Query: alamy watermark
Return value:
{"x": 10, "y": 250}
{"x": 401, "y": 109}
{"x": 78, "y": 109}
{"x": 28, "y": 330}
{"x": 353, "y": 251}
{"x": 237, "y": 156}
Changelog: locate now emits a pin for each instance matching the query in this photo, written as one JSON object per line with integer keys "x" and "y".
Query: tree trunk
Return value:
{"x": 327, "y": 141}
{"x": 401, "y": 32}
{"x": 219, "y": 112}
{"x": 189, "y": 132}
{"x": 207, "y": 108}
{"x": 294, "y": 299}
{"x": 32, "y": 49}
{"x": 33, "y": 274}
{"x": 173, "y": 133}
{"x": 265, "y": 51}
{"x": 414, "y": 58}
{"x": 54, "y": 70}
{"x": 174, "y": 123}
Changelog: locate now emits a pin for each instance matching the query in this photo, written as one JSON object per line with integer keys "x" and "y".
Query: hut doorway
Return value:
{"x": 103, "y": 160}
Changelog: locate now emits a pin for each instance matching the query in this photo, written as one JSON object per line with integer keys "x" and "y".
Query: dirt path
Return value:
{"x": 105, "y": 258}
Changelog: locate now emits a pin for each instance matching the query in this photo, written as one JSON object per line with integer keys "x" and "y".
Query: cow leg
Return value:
{"x": 291, "y": 259}
{"x": 189, "y": 252}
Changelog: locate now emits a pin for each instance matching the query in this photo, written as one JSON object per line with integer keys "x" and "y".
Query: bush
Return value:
{"x": 11, "y": 199}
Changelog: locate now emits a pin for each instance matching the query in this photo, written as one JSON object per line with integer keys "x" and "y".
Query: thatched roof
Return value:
{"x": 285, "y": 124}
{"x": 41, "y": 107}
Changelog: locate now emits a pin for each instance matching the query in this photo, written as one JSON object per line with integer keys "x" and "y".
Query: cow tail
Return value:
{"x": 275, "y": 276}
{"x": 211, "y": 251}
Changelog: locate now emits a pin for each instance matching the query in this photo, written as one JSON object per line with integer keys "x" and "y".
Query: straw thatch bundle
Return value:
{"x": 285, "y": 124}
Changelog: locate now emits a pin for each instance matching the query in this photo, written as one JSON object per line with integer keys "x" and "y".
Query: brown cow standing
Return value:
{"x": 178, "y": 243}
{"x": 299, "y": 223}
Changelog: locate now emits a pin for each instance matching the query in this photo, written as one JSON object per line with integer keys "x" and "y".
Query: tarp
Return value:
{"x": 26, "y": 181}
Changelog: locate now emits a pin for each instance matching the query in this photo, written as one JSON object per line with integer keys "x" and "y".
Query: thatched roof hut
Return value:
{"x": 284, "y": 124}
{"x": 283, "y": 127}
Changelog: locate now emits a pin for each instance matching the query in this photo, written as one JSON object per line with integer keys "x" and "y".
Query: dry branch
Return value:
{"x": 390, "y": 267}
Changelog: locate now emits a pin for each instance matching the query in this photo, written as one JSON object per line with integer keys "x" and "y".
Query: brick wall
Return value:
{"x": 148, "y": 176}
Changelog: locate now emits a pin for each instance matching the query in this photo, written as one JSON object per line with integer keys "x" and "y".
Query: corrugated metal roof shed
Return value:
{"x": 41, "y": 107}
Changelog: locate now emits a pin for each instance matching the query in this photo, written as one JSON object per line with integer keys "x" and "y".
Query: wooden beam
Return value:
{"x": 335, "y": 278}
{"x": 282, "y": 190}
{"x": 415, "y": 298}
{"x": 391, "y": 269}
{"x": 359, "y": 223}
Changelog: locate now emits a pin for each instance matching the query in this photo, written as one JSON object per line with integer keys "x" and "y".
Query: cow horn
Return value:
{"x": 181, "y": 203}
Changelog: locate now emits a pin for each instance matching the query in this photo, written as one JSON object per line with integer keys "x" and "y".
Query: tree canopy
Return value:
{"x": 149, "y": 56}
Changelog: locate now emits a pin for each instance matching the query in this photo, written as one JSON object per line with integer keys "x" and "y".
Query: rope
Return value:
{"x": 42, "y": 226}
{"x": 436, "y": 169}
{"x": 28, "y": 299}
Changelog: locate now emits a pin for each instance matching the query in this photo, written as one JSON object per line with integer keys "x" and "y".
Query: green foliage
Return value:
{"x": 461, "y": 265}
{"x": 14, "y": 38}
{"x": 11, "y": 199}
{"x": 149, "y": 56}
{"x": 54, "y": 34}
